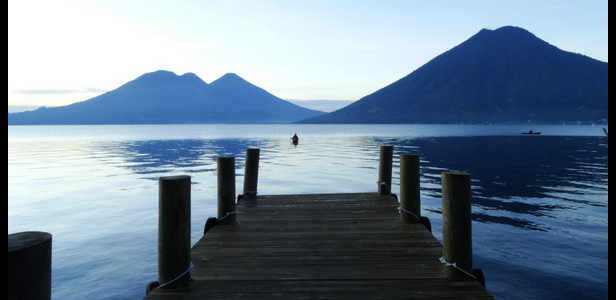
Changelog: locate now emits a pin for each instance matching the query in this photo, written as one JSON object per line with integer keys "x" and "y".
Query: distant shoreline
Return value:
{"x": 320, "y": 105}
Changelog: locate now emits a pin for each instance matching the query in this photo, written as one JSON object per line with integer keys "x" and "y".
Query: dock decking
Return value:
{"x": 325, "y": 246}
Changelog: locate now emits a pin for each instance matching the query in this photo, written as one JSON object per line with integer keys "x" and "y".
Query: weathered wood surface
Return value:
{"x": 325, "y": 246}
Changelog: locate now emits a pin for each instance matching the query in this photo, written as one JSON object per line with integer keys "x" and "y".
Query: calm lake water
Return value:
{"x": 540, "y": 202}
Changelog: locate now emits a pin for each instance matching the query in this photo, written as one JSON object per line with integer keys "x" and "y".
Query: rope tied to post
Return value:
{"x": 384, "y": 184}
{"x": 228, "y": 214}
{"x": 423, "y": 220}
{"x": 249, "y": 194}
{"x": 400, "y": 209}
{"x": 448, "y": 264}
{"x": 190, "y": 267}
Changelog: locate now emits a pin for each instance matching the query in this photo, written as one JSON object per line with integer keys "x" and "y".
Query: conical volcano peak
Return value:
{"x": 160, "y": 75}
{"x": 509, "y": 29}
{"x": 505, "y": 75}
{"x": 229, "y": 78}
{"x": 507, "y": 36}
{"x": 192, "y": 77}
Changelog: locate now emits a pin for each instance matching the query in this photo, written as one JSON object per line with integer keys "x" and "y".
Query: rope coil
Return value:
{"x": 448, "y": 264}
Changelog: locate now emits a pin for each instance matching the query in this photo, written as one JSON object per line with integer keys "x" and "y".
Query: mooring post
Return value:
{"x": 457, "y": 231}
{"x": 251, "y": 173}
{"x": 226, "y": 190}
{"x": 410, "y": 203}
{"x": 29, "y": 265}
{"x": 385, "y": 165}
{"x": 174, "y": 263}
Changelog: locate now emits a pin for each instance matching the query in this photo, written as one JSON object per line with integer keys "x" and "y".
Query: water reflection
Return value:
{"x": 517, "y": 176}
{"x": 189, "y": 155}
{"x": 515, "y": 179}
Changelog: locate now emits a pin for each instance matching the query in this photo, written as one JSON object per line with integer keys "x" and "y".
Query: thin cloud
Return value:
{"x": 57, "y": 91}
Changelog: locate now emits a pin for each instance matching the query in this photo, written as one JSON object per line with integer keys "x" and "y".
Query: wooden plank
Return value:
{"x": 326, "y": 246}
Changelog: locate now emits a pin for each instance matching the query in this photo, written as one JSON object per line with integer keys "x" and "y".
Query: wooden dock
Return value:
{"x": 319, "y": 246}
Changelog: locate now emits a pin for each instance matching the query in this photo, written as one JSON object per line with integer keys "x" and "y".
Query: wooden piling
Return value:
{"x": 226, "y": 190}
{"x": 29, "y": 265}
{"x": 251, "y": 173}
{"x": 457, "y": 231}
{"x": 174, "y": 231}
{"x": 385, "y": 166}
{"x": 409, "y": 188}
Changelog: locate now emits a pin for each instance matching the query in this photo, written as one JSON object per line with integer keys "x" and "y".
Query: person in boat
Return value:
{"x": 530, "y": 131}
{"x": 295, "y": 138}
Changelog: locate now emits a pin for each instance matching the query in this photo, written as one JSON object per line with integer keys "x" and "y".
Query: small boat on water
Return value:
{"x": 531, "y": 132}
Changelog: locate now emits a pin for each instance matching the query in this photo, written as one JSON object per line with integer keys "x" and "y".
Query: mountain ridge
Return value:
{"x": 506, "y": 75}
{"x": 163, "y": 97}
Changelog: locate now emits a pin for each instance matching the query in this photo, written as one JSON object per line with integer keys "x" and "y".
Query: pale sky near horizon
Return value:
{"x": 65, "y": 51}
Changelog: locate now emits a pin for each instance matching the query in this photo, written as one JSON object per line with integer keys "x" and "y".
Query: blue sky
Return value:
{"x": 65, "y": 51}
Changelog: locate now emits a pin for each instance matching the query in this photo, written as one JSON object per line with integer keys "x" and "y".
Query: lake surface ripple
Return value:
{"x": 540, "y": 203}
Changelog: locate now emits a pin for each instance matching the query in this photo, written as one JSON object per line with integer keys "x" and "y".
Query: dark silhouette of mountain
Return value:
{"x": 162, "y": 97}
{"x": 507, "y": 75}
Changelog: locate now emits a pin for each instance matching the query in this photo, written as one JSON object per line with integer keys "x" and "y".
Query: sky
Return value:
{"x": 66, "y": 51}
